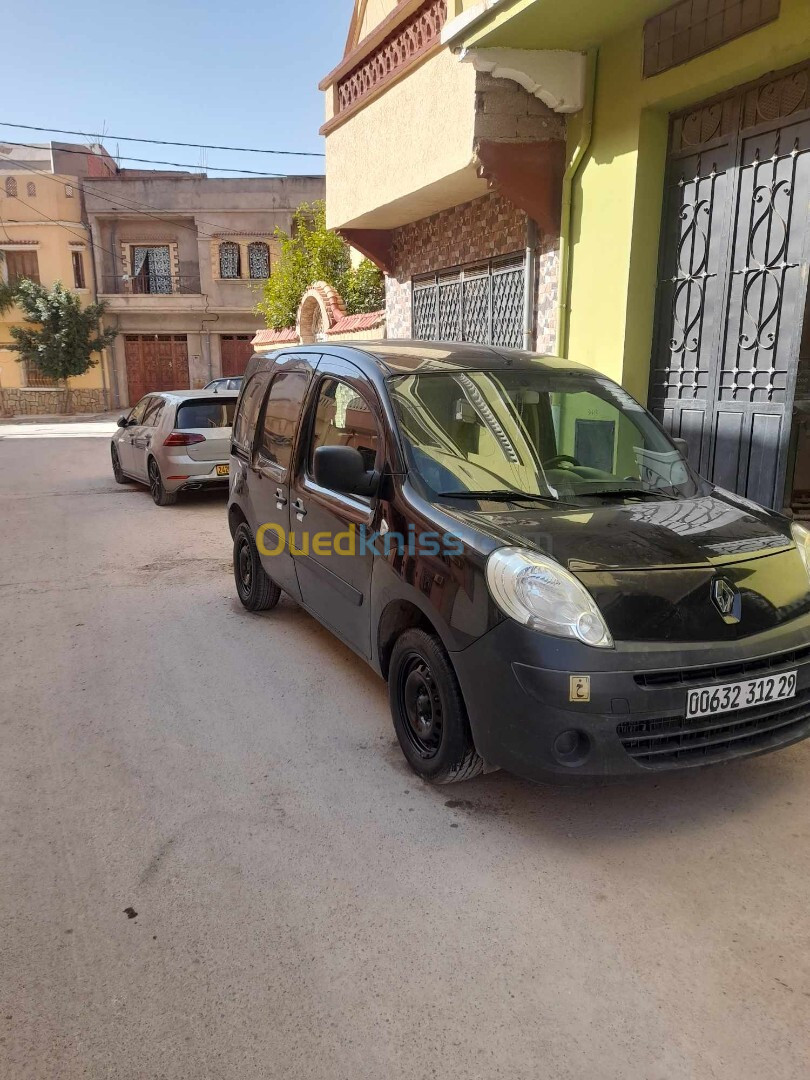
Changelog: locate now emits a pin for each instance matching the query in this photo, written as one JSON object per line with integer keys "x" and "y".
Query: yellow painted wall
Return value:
{"x": 374, "y": 13}
{"x": 27, "y": 218}
{"x": 617, "y": 199}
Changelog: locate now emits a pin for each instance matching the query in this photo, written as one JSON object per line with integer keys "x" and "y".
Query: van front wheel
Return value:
{"x": 428, "y": 711}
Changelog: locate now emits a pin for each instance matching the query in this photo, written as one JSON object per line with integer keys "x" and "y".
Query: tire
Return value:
{"x": 118, "y": 472}
{"x": 159, "y": 493}
{"x": 428, "y": 711}
{"x": 255, "y": 589}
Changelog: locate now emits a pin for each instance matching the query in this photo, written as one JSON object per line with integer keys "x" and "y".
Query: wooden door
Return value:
{"x": 235, "y": 350}
{"x": 155, "y": 362}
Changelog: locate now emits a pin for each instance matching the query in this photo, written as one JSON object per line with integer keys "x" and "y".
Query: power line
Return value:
{"x": 134, "y": 204}
{"x": 115, "y": 201}
{"x": 88, "y": 236}
{"x": 156, "y": 161}
{"x": 165, "y": 142}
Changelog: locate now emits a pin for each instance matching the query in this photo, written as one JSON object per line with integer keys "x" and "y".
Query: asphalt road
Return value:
{"x": 306, "y": 908}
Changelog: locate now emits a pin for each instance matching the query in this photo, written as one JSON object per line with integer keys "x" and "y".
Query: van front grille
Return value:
{"x": 674, "y": 740}
{"x": 723, "y": 672}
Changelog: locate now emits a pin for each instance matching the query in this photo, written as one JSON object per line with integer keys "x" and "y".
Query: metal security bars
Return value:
{"x": 481, "y": 303}
{"x": 733, "y": 281}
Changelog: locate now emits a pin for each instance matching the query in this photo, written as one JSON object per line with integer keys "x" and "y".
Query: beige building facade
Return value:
{"x": 459, "y": 202}
{"x": 44, "y": 235}
{"x": 636, "y": 171}
{"x": 180, "y": 260}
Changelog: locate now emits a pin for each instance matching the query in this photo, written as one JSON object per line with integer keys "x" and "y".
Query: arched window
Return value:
{"x": 229, "y": 261}
{"x": 68, "y": 191}
{"x": 11, "y": 187}
{"x": 259, "y": 259}
{"x": 31, "y": 190}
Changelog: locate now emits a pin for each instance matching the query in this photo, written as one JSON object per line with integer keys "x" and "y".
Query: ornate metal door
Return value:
{"x": 733, "y": 281}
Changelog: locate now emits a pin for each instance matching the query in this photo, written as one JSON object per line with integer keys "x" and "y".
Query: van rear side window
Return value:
{"x": 249, "y": 403}
{"x": 194, "y": 415}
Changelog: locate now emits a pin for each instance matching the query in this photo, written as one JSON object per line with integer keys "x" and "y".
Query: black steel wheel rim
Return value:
{"x": 420, "y": 705}
{"x": 244, "y": 566}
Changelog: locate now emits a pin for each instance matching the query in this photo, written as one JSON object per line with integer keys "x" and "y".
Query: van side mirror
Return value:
{"x": 341, "y": 468}
{"x": 122, "y": 421}
{"x": 682, "y": 446}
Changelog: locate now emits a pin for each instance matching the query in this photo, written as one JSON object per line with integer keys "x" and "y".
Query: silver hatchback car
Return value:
{"x": 176, "y": 440}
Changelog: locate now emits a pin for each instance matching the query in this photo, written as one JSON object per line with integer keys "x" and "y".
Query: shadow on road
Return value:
{"x": 599, "y": 813}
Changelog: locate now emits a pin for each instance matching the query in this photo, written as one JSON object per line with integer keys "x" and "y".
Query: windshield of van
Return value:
{"x": 544, "y": 434}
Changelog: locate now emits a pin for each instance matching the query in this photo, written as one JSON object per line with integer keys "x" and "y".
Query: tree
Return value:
{"x": 6, "y": 293}
{"x": 313, "y": 253}
{"x": 63, "y": 336}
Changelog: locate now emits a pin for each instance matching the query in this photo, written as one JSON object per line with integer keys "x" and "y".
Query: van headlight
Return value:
{"x": 801, "y": 537}
{"x": 537, "y": 592}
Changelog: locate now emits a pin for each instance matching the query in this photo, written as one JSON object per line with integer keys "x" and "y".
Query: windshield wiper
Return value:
{"x": 624, "y": 493}
{"x": 501, "y": 494}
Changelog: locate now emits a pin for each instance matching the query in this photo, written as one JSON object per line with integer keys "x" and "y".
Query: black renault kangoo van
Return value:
{"x": 526, "y": 557}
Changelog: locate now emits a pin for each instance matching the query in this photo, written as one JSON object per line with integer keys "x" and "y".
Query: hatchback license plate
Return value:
{"x": 740, "y": 695}
{"x": 223, "y": 470}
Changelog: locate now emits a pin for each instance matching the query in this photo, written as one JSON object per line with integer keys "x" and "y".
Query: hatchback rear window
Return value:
{"x": 205, "y": 414}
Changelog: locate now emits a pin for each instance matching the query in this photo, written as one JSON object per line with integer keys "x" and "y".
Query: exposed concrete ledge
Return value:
{"x": 455, "y": 28}
{"x": 554, "y": 76}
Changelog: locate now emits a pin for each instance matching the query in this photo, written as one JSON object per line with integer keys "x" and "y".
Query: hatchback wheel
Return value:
{"x": 159, "y": 493}
{"x": 256, "y": 591}
{"x": 428, "y": 711}
{"x": 118, "y": 472}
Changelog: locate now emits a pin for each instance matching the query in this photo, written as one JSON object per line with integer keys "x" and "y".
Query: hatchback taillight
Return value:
{"x": 183, "y": 438}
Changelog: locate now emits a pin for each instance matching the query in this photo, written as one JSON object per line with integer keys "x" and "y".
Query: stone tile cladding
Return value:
{"x": 475, "y": 230}
{"x": 397, "y": 308}
{"x": 547, "y": 271}
{"x": 19, "y": 401}
{"x": 478, "y": 230}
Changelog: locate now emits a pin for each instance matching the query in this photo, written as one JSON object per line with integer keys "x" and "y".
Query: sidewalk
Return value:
{"x": 90, "y": 425}
{"x": 61, "y": 418}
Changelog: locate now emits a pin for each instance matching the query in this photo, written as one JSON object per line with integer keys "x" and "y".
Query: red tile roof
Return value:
{"x": 287, "y": 336}
{"x": 353, "y": 324}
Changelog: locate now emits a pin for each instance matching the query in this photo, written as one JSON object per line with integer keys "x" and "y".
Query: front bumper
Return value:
{"x": 630, "y": 715}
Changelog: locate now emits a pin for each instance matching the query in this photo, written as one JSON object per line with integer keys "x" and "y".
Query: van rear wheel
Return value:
{"x": 256, "y": 591}
{"x": 428, "y": 711}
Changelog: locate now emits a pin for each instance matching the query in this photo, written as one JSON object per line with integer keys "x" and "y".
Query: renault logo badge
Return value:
{"x": 727, "y": 600}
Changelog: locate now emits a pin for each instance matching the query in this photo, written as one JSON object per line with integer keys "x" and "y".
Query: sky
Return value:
{"x": 236, "y": 75}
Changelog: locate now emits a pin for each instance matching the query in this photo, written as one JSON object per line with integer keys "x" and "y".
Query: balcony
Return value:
{"x": 150, "y": 285}
{"x": 153, "y": 292}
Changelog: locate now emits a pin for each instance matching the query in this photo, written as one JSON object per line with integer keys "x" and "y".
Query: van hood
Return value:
{"x": 651, "y": 566}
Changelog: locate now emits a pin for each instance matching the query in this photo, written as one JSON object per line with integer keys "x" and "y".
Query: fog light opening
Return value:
{"x": 571, "y": 747}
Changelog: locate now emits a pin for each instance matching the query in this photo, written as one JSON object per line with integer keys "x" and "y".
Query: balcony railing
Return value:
{"x": 153, "y": 285}
{"x": 406, "y": 43}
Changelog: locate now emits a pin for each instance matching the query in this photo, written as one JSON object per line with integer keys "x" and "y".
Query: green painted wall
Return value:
{"x": 617, "y": 196}
{"x": 618, "y": 193}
